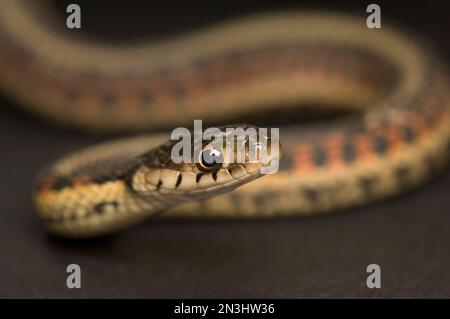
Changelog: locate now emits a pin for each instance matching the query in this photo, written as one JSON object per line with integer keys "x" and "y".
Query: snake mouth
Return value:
{"x": 232, "y": 152}
{"x": 200, "y": 185}
{"x": 233, "y": 176}
{"x": 240, "y": 175}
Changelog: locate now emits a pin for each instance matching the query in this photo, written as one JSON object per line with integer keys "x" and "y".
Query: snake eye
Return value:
{"x": 210, "y": 160}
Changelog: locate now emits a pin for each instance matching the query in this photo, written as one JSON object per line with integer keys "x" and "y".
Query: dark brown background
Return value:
{"x": 312, "y": 257}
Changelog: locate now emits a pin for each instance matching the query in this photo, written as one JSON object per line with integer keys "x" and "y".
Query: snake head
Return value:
{"x": 217, "y": 161}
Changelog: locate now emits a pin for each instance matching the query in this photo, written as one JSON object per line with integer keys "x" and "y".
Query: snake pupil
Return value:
{"x": 210, "y": 159}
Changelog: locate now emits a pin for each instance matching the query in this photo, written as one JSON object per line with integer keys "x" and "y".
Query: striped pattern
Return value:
{"x": 396, "y": 138}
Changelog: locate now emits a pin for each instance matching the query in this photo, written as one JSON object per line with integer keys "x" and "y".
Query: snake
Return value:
{"x": 390, "y": 86}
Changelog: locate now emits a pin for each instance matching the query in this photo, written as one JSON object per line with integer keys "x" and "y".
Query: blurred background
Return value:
{"x": 290, "y": 258}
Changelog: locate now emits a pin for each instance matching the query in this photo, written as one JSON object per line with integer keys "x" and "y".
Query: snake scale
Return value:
{"x": 393, "y": 85}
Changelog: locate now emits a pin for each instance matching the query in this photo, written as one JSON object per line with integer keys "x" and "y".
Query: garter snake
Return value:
{"x": 394, "y": 85}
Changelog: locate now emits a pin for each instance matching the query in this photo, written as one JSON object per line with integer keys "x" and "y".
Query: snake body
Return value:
{"x": 394, "y": 86}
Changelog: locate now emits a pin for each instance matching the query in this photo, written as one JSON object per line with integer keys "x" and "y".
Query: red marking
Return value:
{"x": 130, "y": 106}
{"x": 395, "y": 139}
{"x": 80, "y": 181}
{"x": 160, "y": 93}
{"x": 190, "y": 79}
{"x": 302, "y": 157}
{"x": 363, "y": 147}
{"x": 419, "y": 126}
{"x": 46, "y": 186}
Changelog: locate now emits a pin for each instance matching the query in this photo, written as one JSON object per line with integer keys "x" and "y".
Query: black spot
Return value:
{"x": 348, "y": 152}
{"x": 158, "y": 186}
{"x": 367, "y": 184}
{"x": 163, "y": 73}
{"x": 179, "y": 179}
{"x": 93, "y": 76}
{"x": 402, "y": 175}
{"x": 72, "y": 97}
{"x": 319, "y": 156}
{"x": 146, "y": 99}
{"x": 179, "y": 91}
{"x": 214, "y": 175}
{"x": 109, "y": 100}
{"x": 380, "y": 144}
{"x": 235, "y": 200}
{"x": 101, "y": 179}
{"x": 201, "y": 64}
{"x": 99, "y": 208}
{"x": 262, "y": 199}
{"x": 61, "y": 183}
{"x": 311, "y": 194}
{"x": 408, "y": 134}
{"x": 198, "y": 177}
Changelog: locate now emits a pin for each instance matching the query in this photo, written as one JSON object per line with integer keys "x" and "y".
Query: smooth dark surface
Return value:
{"x": 325, "y": 256}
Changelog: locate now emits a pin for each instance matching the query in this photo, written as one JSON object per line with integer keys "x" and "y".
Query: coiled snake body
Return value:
{"x": 395, "y": 87}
